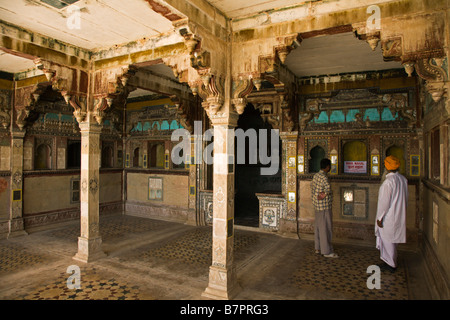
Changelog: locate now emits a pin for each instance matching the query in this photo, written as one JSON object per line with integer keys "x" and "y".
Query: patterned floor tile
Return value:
{"x": 190, "y": 252}
{"x": 113, "y": 228}
{"x": 93, "y": 286}
{"x": 195, "y": 247}
{"x": 14, "y": 257}
{"x": 346, "y": 276}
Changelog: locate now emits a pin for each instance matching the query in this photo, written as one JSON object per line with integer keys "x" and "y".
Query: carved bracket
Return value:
{"x": 372, "y": 37}
{"x": 431, "y": 70}
{"x": 183, "y": 111}
{"x": 5, "y": 118}
{"x": 78, "y": 103}
{"x": 289, "y": 43}
{"x": 312, "y": 110}
{"x": 398, "y": 103}
{"x": 211, "y": 90}
{"x": 240, "y": 90}
{"x": 25, "y": 103}
{"x": 288, "y": 111}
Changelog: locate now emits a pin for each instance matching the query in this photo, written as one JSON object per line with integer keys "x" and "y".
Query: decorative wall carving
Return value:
{"x": 357, "y": 109}
{"x": 5, "y": 109}
{"x": 392, "y": 49}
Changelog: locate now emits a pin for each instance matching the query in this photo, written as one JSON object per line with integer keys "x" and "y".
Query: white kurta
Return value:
{"x": 392, "y": 201}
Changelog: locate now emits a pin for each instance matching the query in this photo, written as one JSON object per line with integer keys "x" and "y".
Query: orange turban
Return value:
{"x": 391, "y": 163}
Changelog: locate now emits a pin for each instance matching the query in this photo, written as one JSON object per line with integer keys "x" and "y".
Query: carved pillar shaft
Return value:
{"x": 89, "y": 242}
{"x": 192, "y": 180}
{"x": 16, "y": 223}
{"x": 222, "y": 275}
{"x": 289, "y": 178}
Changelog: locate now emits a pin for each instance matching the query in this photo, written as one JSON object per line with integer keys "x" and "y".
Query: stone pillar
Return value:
{"x": 89, "y": 243}
{"x": 222, "y": 275}
{"x": 289, "y": 179}
{"x": 16, "y": 223}
{"x": 192, "y": 181}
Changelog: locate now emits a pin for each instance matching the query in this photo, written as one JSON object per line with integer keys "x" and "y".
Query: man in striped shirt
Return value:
{"x": 322, "y": 199}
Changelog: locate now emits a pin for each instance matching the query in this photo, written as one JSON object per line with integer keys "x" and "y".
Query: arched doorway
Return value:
{"x": 42, "y": 158}
{"x": 248, "y": 178}
{"x": 136, "y": 158}
{"x": 316, "y": 155}
{"x": 107, "y": 157}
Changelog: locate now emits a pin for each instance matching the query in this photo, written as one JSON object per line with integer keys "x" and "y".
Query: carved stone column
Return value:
{"x": 289, "y": 179}
{"x": 192, "y": 181}
{"x": 16, "y": 223}
{"x": 222, "y": 275}
{"x": 89, "y": 242}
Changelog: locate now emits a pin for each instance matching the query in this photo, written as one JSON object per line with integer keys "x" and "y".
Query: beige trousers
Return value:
{"x": 323, "y": 231}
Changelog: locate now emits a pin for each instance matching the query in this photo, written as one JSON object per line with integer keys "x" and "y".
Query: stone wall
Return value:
{"x": 48, "y": 197}
{"x": 4, "y": 196}
{"x": 360, "y": 227}
{"x": 170, "y": 204}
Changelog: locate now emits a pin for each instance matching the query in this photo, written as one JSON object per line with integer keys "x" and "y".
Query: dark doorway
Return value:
{"x": 107, "y": 157}
{"x": 74, "y": 155}
{"x": 136, "y": 158}
{"x": 248, "y": 178}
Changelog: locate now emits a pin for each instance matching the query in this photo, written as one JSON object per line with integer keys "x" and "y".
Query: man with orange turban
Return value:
{"x": 390, "y": 226}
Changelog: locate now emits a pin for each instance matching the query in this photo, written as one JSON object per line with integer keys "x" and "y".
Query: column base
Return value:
{"x": 16, "y": 228}
{"x": 89, "y": 250}
{"x": 17, "y": 233}
{"x": 222, "y": 284}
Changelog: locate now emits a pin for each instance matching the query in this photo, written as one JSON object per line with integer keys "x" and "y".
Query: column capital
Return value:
{"x": 228, "y": 118}
{"x": 289, "y": 135}
{"x": 18, "y": 134}
{"x": 90, "y": 126}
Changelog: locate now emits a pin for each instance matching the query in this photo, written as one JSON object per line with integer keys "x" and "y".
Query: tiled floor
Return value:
{"x": 152, "y": 259}
{"x": 347, "y": 276}
{"x": 96, "y": 286}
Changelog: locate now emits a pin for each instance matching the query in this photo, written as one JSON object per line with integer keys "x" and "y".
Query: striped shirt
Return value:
{"x": 320, "y": 184}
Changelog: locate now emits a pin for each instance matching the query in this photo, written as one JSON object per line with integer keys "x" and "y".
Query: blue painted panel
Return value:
{"x": 165, "y": 125}
{"x": 337, "y": 116}
{"x": 386, "y": 115}
{"x": 156, "y": 124}
{"x": 323, "y": 118}
{"x": 146, "y": 126}
{"x": 174, "y": 125}
{"x": 67, "y": 118}
{"x": 138, "y": 127}
{"x": 51, "y": 116}
{"x": 351, "y": 115}
{"x": 372, "y": 114}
